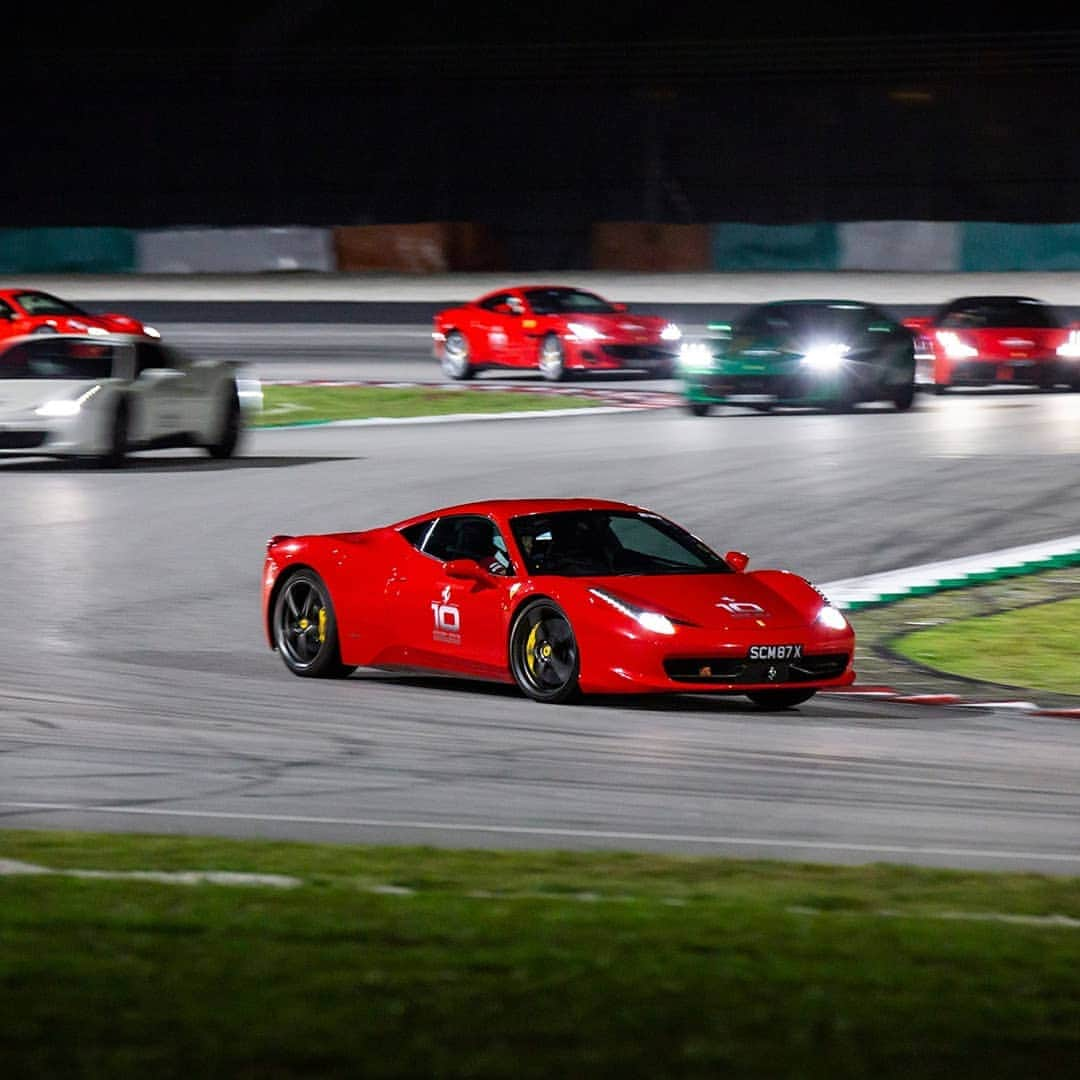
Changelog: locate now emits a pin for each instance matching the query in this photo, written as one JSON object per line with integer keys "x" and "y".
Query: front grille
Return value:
{"x": 21, "y": 440}
{"x": 652, "y": 353}
{"x": 726, "y": 669}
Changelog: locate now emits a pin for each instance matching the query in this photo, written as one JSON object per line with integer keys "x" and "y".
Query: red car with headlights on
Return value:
{"x": 560, "y": 596}
{"x": 1002, "y": 340}
{"x": 31, "y": 311}
{"x": 554, "y": 329}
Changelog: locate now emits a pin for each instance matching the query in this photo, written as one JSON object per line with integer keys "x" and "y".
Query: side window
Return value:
{"x": 468, "y": 536}
{"x": 417, "y": 534}
{"x": 6, "y": 310}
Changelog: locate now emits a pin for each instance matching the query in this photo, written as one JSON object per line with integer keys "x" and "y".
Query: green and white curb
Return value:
{"x": 851, "y": 594}
{"x": 926, "y": 579}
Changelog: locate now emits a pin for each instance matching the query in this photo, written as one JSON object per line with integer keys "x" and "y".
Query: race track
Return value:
{"x": 137, "y": 691}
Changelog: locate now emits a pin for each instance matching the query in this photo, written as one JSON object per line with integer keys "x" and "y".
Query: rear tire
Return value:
{"x": 305, "y": 628}
{"x": 780, "y": 699}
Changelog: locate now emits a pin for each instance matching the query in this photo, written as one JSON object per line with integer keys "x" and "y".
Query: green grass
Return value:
{"x": 537, "y": 964}
{"x": 286, "y": 405}
{"x": 1033, "y": 647}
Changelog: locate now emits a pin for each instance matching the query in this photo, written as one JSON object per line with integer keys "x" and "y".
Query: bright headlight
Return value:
{"x": 584, "y": 332}
{"x": 1070, "y": 349}
{"x": 151, "y": 331}
{"x": 833, "y": 618}
{"x": 695, "y": 355}
{"x": 670, "y": 333}
{"x": 66, "y": 406}
{"x": 955, "y": 348}
{"x": 648, "y": 620}
{"x": 827, "y": 357}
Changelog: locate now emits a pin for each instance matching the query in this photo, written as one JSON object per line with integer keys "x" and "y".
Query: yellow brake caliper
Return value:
{"x": 322, "y": 625}
{"x": 530, "y": 649}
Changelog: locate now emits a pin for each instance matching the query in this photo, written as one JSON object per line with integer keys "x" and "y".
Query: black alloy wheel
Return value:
{"x": 544, "y": 656}
{"x": 305, "y": 628}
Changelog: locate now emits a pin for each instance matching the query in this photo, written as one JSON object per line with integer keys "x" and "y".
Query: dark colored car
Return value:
{"x": 996, "y": 340}
{"x": 831, "y": 354}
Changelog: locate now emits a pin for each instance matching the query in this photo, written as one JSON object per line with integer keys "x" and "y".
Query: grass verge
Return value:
{"x": 1033, "y": 647}
{"x": 420, "y": 962}
{"x": 287, "y": 405}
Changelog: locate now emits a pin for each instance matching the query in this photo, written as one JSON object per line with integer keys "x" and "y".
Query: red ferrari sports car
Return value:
{"x": 986, "y": 340}
{"x": 555, "y": 329}
{"x": 560, "y": 596}
{"x": 31, "y": 311}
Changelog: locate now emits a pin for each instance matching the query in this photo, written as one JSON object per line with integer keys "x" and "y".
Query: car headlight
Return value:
{"x": 151, "y": 331}
{"x": 695, "y": 356}
{"x": 955, "y": 347}
{"x": 647, "y": 620}
{"x": 832, "y": 618}
{"x": 827, "y": 357}
{"x": 584, "y": 332}
{"x": 670, "y": 333}
{"x": 66, "y": 406}
{"x": 1070, "y": 349}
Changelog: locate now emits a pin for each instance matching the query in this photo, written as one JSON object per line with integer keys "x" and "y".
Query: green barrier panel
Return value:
{"x": 994, "y": 246}
{"x": 67, "y": 251}
{"x": 741, "y": 246}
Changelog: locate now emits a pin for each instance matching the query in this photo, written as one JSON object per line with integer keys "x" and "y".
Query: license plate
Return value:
{"x": 774, "y": 652}
{"x": 750, "y": 399}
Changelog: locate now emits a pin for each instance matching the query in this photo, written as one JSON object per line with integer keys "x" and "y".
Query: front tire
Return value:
{"x": 305, "y": 628}
{"x": 115, "y": 457}
{"x": 225, "y": 445}
{"x": 780, "y": 699}
{"x": 544, "y": 656}
{"x": 455, "y": 360}
{"x": 552, "y": 359}
{"x": 904, "y": 397}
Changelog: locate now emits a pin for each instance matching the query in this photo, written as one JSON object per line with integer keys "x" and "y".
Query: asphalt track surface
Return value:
{"x": 137, "y": 692}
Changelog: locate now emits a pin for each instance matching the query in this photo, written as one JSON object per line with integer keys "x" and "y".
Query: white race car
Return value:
{"x": 100, "y": 396}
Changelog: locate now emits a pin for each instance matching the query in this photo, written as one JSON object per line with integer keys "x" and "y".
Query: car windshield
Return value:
{"x": 59, "y": 359}
{"x": 564, "y": 301}
{"x": 998, "y": 314}
{"x": 838, "y": 320}
{"x": 587, "y": 543}
{"x": 39, "y": 303}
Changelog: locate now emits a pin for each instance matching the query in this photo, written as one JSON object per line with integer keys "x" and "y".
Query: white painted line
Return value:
{"x": 580, "y": 834}
{"x": 180, "y": 877}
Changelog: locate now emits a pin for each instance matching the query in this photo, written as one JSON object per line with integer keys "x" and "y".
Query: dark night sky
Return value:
{"x": 535, "y": 116}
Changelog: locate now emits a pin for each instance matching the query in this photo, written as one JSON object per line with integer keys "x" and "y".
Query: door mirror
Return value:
{"x": 505, "y": 309}
{"x": 620, "y": 307}
{"x": 737, "y": 560}
{"x": 466, "y": 570}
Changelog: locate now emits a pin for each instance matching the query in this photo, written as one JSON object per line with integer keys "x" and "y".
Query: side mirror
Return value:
{"x": 620, "y": 307}
{"x": 737, "y": 560}
{"x": 466, "y": 570}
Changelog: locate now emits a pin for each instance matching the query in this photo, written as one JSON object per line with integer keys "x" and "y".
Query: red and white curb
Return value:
{"x": 876, "y": 590}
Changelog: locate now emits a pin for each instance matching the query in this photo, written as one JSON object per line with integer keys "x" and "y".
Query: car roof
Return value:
{"x": 996, "y": 298}
{"x": 518, "y": 506}
{"x": 538, "y": 285}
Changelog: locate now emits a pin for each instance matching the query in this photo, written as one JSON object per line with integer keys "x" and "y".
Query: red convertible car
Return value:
{"x": 553, "y": 328}
{"x": 561, "y": 596}
{"x": 988, "y": 340}
{"x": 31, "y": 311}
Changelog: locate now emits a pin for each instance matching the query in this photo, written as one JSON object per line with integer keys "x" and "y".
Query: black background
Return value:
{"x": 535, "y": 120}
